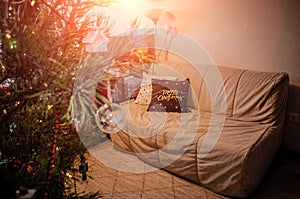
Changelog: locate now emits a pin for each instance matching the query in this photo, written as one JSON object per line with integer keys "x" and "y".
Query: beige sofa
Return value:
{"x": 224, "y": 145}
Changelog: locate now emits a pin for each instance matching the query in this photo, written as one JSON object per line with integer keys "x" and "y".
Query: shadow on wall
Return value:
{"x": 291, "y": 138}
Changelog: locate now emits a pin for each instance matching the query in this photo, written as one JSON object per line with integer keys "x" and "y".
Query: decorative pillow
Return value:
{"x": 145, "y": 92}
{"x": 144, "y": 95}
{"x": 169, "y": 96}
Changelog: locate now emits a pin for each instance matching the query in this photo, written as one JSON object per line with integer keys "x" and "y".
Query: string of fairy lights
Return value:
{"x": 8, "y": 43}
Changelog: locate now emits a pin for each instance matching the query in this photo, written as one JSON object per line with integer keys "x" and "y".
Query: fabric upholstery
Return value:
{"x": 250, "y": 122}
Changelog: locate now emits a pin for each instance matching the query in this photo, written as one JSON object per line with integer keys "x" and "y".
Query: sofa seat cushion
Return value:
{"x": 172, "y": 141}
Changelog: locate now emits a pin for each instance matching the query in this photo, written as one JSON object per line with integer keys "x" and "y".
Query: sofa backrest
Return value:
{"x": 249, "y": 95}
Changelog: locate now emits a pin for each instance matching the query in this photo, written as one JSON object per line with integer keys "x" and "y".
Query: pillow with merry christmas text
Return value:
{"x": 169, "y": 96}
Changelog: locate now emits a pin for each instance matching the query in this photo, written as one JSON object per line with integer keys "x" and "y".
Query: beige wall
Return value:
{"x": 256, "y": 34}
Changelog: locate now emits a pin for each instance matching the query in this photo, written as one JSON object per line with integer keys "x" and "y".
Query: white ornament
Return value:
{"x": 110, "y": 119}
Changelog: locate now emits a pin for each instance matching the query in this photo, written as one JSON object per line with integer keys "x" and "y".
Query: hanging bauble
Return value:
{"x": 110, "y": 119}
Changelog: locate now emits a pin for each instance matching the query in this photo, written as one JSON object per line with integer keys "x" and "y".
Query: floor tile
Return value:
{"x": 165, "y": 193}
{"x": 104, "y": 185}
{"x": 129, "y": 195}
{"x": 129, "y": 183}
{"x": 177, "y": 181}
{"x": 281, "y": 181}
{"x": 189, "y": 192}
{"x": 100, "y": 170}
{"x": 131, "y": 165}
{"x": 107, "y": 196}
{"x": 157, "y": 180}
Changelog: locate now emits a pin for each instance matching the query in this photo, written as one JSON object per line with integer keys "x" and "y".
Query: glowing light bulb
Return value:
{"x": 32, "y": 3}
{"x": 8, "y": 36}
{"x": 133, "y": 8}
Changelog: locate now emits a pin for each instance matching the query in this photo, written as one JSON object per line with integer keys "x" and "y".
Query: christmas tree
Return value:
{"x": 40, "y": 52}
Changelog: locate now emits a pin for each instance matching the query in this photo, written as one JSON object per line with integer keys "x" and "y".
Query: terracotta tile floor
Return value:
{"x": 110, "y": 175}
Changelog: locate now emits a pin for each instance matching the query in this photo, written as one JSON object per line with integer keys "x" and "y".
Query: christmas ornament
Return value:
{"x": 83, "y": 167}
{"x": 110, "y": 119}
{"x": 54, "y": 145}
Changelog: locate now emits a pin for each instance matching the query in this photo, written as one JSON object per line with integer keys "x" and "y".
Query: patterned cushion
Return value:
{"x": 145, "y": 91}
{"x": 169, "y": 96}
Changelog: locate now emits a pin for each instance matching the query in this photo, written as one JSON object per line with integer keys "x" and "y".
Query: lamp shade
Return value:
{"x": 154, "y": 14}
{"x": 166, "y": 20}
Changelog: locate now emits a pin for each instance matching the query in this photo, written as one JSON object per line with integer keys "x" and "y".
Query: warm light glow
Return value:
{"x": 69, "y": 175}
{"x": 133, "y": 8}
{"x": 140, "y": 50}
{"x": 7, "y": 35}
{"x": 32, "y": 3}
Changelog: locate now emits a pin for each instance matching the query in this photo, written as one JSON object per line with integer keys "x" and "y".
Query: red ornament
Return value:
{"x": 4, "y": 88}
